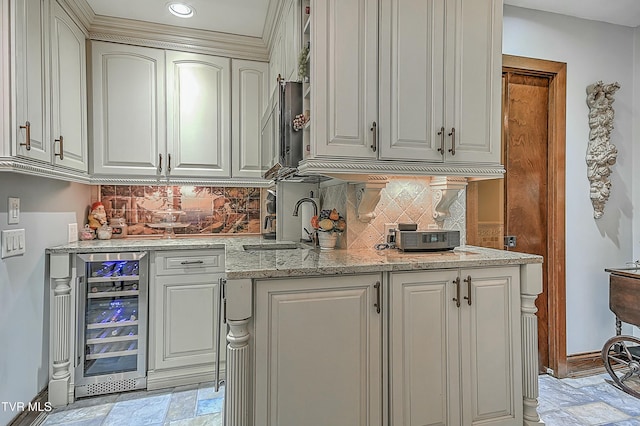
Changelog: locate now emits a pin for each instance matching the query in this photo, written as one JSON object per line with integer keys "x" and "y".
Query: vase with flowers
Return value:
{"x": 329, "y": 224}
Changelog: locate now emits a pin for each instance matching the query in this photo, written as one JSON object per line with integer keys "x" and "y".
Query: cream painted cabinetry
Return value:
{"x": 128, "y": 109}
{"x": 286, "y": 47}
{"x": 69, "y": 92}
{"x": 318, "y": 351}
{"x": 50, "y": 86}
{"x": 406, "y": 80}
{"x": 183, "y": 299}
{"x": 249, "y": 99}
{"x": 455, "y": 354}
{"x": 141, "y": 128}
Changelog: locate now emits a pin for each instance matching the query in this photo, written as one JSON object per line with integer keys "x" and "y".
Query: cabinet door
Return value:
{"x": 490, "y": 347}
{"x": 423, "y": 356}
{"x": 318, "y": 352}
{"x": 128, "y": 109}
{"x": 473, "y": 79}
{"x": 291, "y": 40}
{"x": 31, "y": 79}
{"x": 412, "y": 80}
{"x": 69, "y": 91}
{"x": 249, "y": 100}
{"x": 344, "y": 77}
{"x": 186, "y": 314}
{"x": 198, "y": 115}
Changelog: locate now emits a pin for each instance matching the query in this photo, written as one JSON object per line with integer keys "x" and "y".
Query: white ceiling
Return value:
{"x": 621, "y": 12}
{"x": 247, "y": 17}
{"x": 244, "y": 17}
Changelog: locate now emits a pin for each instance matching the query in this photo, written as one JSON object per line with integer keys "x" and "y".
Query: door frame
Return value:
{"x": 556, "y": 284}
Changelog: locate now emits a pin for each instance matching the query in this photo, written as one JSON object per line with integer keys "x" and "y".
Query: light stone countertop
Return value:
{"x": 305, "y": 260}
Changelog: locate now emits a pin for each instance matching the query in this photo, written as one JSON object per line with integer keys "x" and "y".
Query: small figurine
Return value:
{"x": 98, "y": 216}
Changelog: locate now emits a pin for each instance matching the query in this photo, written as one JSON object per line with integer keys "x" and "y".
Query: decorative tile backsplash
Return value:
{"x": 404, "y": 200}
{"x": 207, "y": 210}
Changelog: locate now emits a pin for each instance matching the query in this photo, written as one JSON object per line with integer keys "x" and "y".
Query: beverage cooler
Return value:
{"x": 112, "y": 323}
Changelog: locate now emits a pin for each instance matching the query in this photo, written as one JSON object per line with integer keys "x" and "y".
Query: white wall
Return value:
{"x": 636, "y": 141}
{"x": 593, "y": 51}
{"x": 47, "y": 207}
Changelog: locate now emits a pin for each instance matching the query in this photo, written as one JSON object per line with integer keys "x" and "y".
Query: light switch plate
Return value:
{"x": 13, "y": 210}
{"x": 13, "y": 242}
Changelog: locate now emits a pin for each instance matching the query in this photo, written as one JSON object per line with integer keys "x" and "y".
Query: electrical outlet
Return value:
{"x": 388, "y": 226}
{"x": 73, "y": 233}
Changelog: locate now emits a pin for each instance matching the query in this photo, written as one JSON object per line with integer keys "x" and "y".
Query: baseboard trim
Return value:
{"x": 584, "y": 364}
{"x": 35, "y": 412}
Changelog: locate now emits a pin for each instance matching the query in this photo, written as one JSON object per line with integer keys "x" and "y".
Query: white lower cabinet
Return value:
{"x": 183, "y": 298}
{"x": 455, "y": 356}
{"x": 318, "y": 351}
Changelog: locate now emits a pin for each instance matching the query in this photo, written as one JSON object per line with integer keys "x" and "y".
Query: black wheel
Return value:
{"x": 621, "y": 356}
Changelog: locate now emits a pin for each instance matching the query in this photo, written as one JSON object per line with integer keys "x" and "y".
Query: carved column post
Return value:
{"x": 237, "y": 380}
{"x": 530, "y": 287}
{"x": 238, "y": 367}
{"x": 60, "y": 386}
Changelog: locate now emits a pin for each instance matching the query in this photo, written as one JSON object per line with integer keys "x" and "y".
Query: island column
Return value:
{"x": 530, "y": 287}
{"x": 238, "y": 313}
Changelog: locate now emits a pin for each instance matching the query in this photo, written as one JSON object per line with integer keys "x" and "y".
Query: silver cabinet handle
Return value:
{"x": 27, "y": 143}
{"x": 468, "y": 296}
{"x": 453, "y": 141}
{"x": 221, "y": 283}
{"x": 457, "y": 298}
{"x": 374, "y": 129}
{"x": 441, "y": 134}
{"x": 378, "y": 304}
{"x": 61, "y": 140}
{"x": 192, "y": 262}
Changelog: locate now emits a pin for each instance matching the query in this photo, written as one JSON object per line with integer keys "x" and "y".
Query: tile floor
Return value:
{"x": 568, "y": 402}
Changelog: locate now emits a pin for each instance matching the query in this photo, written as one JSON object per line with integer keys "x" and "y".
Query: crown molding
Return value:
{"x": 80, "y": 12}
{"x": 129, "y": 31}
{"x": 271, "y": 22}
{"x": 42, "y": 170}
{"x": 193, "y": 181}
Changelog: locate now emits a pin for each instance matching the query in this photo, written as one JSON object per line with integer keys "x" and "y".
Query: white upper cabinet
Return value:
{"x": 437, "y": 95}
{"x": 198, "y": 115}
{"x": 31, "y": 84}
{"x": 50, "y": 88}
{"x": 69, "y": 92}
{"x": 474, "y": 80}
{"x": 249, "y": 101}
{"x": 137, "y": 133}
{"x": 344, "y": 78}
{"x": 128, "y": 109}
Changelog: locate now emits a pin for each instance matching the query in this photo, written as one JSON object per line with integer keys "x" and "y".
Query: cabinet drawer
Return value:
{"x": 189, "y": 262}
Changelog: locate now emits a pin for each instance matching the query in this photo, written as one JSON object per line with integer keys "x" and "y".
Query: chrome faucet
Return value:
{"x": 305, "y": 200}
{"x": 314, "y": 236}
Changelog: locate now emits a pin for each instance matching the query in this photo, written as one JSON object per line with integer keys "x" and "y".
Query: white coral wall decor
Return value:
{"x": 601, "y": 153}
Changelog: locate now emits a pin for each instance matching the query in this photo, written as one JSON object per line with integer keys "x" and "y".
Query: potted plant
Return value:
{"x": 329, "y": 224}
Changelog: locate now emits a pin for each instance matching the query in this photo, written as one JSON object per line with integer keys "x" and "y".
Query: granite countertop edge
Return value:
{"x": 258, "y": 264}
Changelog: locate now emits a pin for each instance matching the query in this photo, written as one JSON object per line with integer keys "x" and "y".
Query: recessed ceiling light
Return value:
{"x": 181, "y": 10}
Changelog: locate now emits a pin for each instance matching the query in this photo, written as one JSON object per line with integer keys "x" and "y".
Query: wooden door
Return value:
{"x": 526, "y": 153}
{"x": 534, "y": 99}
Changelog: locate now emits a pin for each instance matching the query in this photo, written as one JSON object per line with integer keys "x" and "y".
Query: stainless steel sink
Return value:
{"x": 275, "y": 246}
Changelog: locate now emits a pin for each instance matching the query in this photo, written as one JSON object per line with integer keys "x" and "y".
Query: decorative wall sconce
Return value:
{"x": 601, "y": 153}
